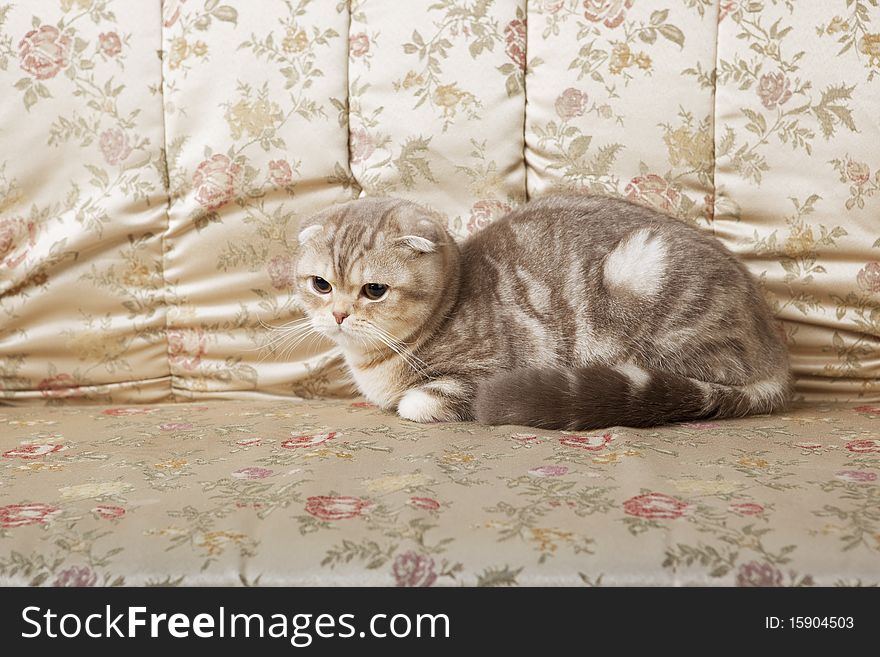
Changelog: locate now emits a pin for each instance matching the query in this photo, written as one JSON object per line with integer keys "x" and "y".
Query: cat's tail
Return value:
{"x": 603, "y": 396}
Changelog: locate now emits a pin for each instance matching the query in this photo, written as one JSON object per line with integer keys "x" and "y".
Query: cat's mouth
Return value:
{"x": 344, "y": 336}
{"x": 353, "y": 337}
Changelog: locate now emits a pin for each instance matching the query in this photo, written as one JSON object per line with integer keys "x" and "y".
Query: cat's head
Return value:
{"x": 375, "y": 271}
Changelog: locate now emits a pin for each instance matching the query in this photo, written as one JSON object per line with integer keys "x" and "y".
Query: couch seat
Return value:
{"x": 341, "y": 493}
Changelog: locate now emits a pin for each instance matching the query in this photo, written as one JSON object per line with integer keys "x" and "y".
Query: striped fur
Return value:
{"x": 571, "y": 312}
{"x": 600, "y": 396}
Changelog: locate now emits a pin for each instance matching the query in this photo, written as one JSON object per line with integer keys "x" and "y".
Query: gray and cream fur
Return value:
{"x": 571, "y": 312}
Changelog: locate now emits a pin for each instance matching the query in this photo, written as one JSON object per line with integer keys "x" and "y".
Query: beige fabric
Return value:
{"x": 798, "y": 172}
{"x": 436, "y": 98}
{"x": 278, "y": 493}
{"x": 600, "y": 114}
{"x": 255, "y": 142}
{"x": 82, "y": 203}
{"x": 149, "y": 205}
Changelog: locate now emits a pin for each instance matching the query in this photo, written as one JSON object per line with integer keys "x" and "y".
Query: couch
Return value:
{"x": 157, "y": 158}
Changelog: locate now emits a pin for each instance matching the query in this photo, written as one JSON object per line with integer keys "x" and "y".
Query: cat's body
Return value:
{"x": 571, "y": 312}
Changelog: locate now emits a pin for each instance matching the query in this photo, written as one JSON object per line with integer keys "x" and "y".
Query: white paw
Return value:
{"x": 420, "y": 406}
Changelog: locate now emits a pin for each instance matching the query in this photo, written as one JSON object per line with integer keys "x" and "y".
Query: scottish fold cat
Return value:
{"x": 571, "y": 312}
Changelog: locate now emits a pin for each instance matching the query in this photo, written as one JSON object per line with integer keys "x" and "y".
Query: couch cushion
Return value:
{"x": 436, "y": 97}
{"x": 107, "y": 295}
{"x": 256, "y": 140}
{"x": 82, "y": 203}
{"x": 600, "y": 115}
{"x": 284, "y": 493}
{"x": 798, "y": 176}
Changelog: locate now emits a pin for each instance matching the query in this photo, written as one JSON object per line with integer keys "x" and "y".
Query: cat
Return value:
{"x": 571, "y": 312}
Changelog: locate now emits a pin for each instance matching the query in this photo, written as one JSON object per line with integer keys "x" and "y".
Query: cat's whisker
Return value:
{"x": 401, "y": 346}
{"x": 272, "y": 344}
{"x": 291, "y": 346}
{"x": 418, "y": 367}
{"x": 301, "y": 320}
{"x": 288, "y": 326}
{"x": 389, "y": 336}
{"x": 289, "y": 339}
{"x": 287, "y": 334}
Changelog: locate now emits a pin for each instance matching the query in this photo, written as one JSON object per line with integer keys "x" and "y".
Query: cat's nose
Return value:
{"x": 340, "y": 317}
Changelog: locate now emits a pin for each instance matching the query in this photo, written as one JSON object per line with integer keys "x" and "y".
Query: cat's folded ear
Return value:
{"x": 309, "y": 232}
{"x": 424, "y": 236}
{"x": 416, "y": 243}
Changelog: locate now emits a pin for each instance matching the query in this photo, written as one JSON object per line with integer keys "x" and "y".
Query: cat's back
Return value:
{"x": 554, "y": 228}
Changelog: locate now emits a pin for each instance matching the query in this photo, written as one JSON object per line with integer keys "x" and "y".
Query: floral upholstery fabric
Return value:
{"x": 798, "y": 86}
{"x": 148, "y": 205}
{"x": 256, "y": 141}
{"x": 338, "y": 492}
{"x": 156, "y": 159}
{"x": 422, "y": 128}
{"x": 82, "y": 203}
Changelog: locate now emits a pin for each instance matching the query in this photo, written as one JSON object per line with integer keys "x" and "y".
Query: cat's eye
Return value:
{"x": 374, "y": 291}
{"x": 320, "y": 286}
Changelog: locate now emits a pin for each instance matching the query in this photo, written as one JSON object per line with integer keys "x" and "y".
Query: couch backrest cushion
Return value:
{"x": 149, "y": 203}
{"x": 82, "y": 202}
{"x": 256, "y": 138}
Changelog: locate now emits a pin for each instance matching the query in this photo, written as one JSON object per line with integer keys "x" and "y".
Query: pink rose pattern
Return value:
{"x": 361, "y": 145}
{"x": 655, "y": 506}
{"x": 280, "y": 173}
{"x": 747, "y": 508}
{"x": 868, "y": 277}
{"x": 280, "y": 270}
{"x": 359, "y": 44}
{"x": 515, "y": 38}
{"x": 76, "y": 576}
{"x": 609, "y": 12}
{"x": 186, "y": 346}
{"x": 857, "y": 476}
{"x": 108, "y": 511}
{"x": 110, "y": 44}
{"x": 654, "y": 191}
{"x": 306, "y": 441}
{"x": 590, "y": 443}
{"x": 484, "y": 213}
{"x": 44, "y": 52}
{"x": 217, "y": 181}
{"x": 571, "y": 104}
{"x": 756, "y": 573}
{"x": 252, "y": 473}
{"x": 424, "y": 503}
{"x": 336, "y": 507}
{"x": 413, "y": 569}
{"x": 114, "y": 146}
{"x": 384, "y": 505}
{"x": 59, "y": 386}
{"x": 774, "y": 89}
{"x": 21, "y": 515}
{"x": 17, "y": 238}
{"x": 31, "y": 452}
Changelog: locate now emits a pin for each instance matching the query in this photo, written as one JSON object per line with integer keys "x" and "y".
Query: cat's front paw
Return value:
{"x": 420, "y": 406}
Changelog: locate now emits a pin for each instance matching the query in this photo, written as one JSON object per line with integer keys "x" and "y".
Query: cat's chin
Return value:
{"x": 345, "y": 341}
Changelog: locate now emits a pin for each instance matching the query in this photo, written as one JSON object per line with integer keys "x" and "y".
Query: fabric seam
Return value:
{"x": 715, "y": 117}
{"x": 167, "y": 181}
{"x": 525, "y": 114}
